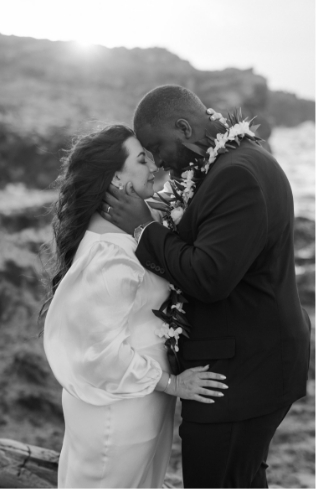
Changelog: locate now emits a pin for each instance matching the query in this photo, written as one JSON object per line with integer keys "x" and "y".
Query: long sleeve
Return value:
{"x": 231, "y": 232}
{"x": 87, "y": 329}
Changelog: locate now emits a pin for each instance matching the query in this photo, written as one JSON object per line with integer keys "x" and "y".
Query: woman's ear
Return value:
{"x": 116, "y": 181}
{"x": 184, "y": 126}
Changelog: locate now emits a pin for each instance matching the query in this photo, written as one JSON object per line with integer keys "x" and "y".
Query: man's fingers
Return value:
{"x": 110, "y": 200}
{"x": 106, "y": 216}
{"x": 116, "y": 192}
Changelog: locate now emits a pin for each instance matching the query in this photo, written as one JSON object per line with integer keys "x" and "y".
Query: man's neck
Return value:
{"x": 206, "y": 127}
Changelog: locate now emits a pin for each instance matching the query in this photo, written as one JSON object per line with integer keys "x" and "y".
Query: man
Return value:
{"x": 233, "y": 258}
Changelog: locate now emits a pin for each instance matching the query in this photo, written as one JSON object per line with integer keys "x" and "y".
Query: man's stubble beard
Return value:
{"x": 182, "y": 159}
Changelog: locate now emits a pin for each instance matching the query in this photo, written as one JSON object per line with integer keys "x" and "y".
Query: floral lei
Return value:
{"x": 173, "y": 201}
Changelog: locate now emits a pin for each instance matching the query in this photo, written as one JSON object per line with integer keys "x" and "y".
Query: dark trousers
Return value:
{"x": 228, "y": 454}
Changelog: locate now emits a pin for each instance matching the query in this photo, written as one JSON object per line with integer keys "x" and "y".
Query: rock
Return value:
{"x": 304, "y": 240}
{"x": 23, "y": 465}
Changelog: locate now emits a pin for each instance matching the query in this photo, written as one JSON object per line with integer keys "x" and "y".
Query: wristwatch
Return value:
{"x": 139, "y": 230}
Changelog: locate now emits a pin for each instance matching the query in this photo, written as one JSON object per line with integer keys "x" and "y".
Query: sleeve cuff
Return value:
{"x": 139, "y": 231}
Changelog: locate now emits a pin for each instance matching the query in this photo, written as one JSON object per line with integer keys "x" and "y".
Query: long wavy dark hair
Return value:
{"x": 86, "y": 172}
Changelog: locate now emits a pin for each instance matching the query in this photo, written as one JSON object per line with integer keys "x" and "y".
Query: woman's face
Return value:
{"x": 138, "y": 169}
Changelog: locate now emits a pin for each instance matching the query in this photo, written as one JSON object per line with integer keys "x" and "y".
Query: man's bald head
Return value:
{"x": 165, "y": 103}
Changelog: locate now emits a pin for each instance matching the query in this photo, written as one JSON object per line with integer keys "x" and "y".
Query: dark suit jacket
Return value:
{"x": 234, "y": 260}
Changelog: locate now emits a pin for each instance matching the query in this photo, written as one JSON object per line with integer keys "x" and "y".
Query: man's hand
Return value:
{"x": 125, "y": 209}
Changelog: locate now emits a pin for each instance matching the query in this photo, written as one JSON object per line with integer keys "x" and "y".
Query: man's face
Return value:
{"x": 165, "y": 143}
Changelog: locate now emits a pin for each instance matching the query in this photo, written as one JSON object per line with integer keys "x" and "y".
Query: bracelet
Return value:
{"x": 168, "y": 383}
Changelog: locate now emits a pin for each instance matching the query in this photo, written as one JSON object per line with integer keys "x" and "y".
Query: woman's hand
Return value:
{"x": 191, "y": 384}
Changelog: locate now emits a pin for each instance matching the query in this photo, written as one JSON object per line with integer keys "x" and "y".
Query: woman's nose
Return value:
{"x": 152, "y": 165}
{"x": 154, "y": 168}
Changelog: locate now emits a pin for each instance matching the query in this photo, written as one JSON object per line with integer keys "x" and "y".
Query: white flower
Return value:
{"x": 244, "y": 128}
{"x": 240, "y": 129}
{"x": 163, "y": 331}
{"x": 233, "y": 132}
{"x": 212, "y": 154}
{"x": 176, "y": 214}
{"x": 175, "y": 333}
{"x": 190, "y": 175}
{"x": 187, "y": 175}
{"x": 188, "y": 184}
{"x": 179, "y": 307}
{"x": 190, "y": 193}
{"x": 172, "y": 287}
{"x": 221, "y": 140}
{"x": 167, "y": 187}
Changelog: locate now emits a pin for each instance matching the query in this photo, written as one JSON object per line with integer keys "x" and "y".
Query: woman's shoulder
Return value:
{"x": 105, "y": 243}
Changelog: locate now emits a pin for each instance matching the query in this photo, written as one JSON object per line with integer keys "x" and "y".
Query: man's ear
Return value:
{"x": 184, "y": 126}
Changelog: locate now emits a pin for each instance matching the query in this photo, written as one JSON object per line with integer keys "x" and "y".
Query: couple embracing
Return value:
{"x": 220, "y": 240}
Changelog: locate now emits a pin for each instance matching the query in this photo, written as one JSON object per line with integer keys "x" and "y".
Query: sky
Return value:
{"x": 274, "y": 37}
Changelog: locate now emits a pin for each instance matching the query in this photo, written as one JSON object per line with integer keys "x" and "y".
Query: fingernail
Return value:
{"x": 225, "y": 386}
{"x": 220, "y": 394}
{"x": 211, "y": 400}
{"x": 222, "y": 377}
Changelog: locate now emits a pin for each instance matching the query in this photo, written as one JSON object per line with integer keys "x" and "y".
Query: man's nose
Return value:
{"x": 158, "y": 162}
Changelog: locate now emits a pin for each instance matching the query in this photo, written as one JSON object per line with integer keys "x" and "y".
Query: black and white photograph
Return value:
{"x": 157, "y": 244}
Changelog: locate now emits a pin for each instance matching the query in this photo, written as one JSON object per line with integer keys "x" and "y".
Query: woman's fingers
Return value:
{"x": 203, "y": 399}
{"x": 211, "y": 375}
{"x": 209, "y": 393}
{"x": 199, "y": 369}
{"x": 212, "y": 383}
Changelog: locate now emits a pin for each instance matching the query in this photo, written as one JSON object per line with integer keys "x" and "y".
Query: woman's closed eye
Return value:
{"x": 142, "y": 158}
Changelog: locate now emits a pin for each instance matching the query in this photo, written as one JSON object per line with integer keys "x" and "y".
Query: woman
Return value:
{"x": 99, "y": 336}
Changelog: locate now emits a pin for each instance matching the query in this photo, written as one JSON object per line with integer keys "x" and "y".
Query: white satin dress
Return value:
{"x": 100, "y": 342}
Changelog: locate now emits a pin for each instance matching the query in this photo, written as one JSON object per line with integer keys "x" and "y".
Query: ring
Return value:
{"x": 108, "y": 211}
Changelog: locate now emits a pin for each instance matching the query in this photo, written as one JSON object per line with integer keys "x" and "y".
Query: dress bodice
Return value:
{"x": 99, "y": 334}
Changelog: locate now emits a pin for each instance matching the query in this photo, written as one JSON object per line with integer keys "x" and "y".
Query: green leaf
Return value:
{"x": 160, "y": 206}
{"x": 164, "y": 305}
{"x": 163, "y": 199}
{"x": 254, "y": 128}
{"x": 161, "y": 315}
{"x": 174, "y": 189}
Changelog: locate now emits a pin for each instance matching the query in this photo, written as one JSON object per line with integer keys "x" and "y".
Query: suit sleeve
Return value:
{"x": 231, "y": 232}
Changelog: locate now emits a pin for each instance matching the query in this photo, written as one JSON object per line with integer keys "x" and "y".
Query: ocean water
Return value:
{"x": 294, "y": 148}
